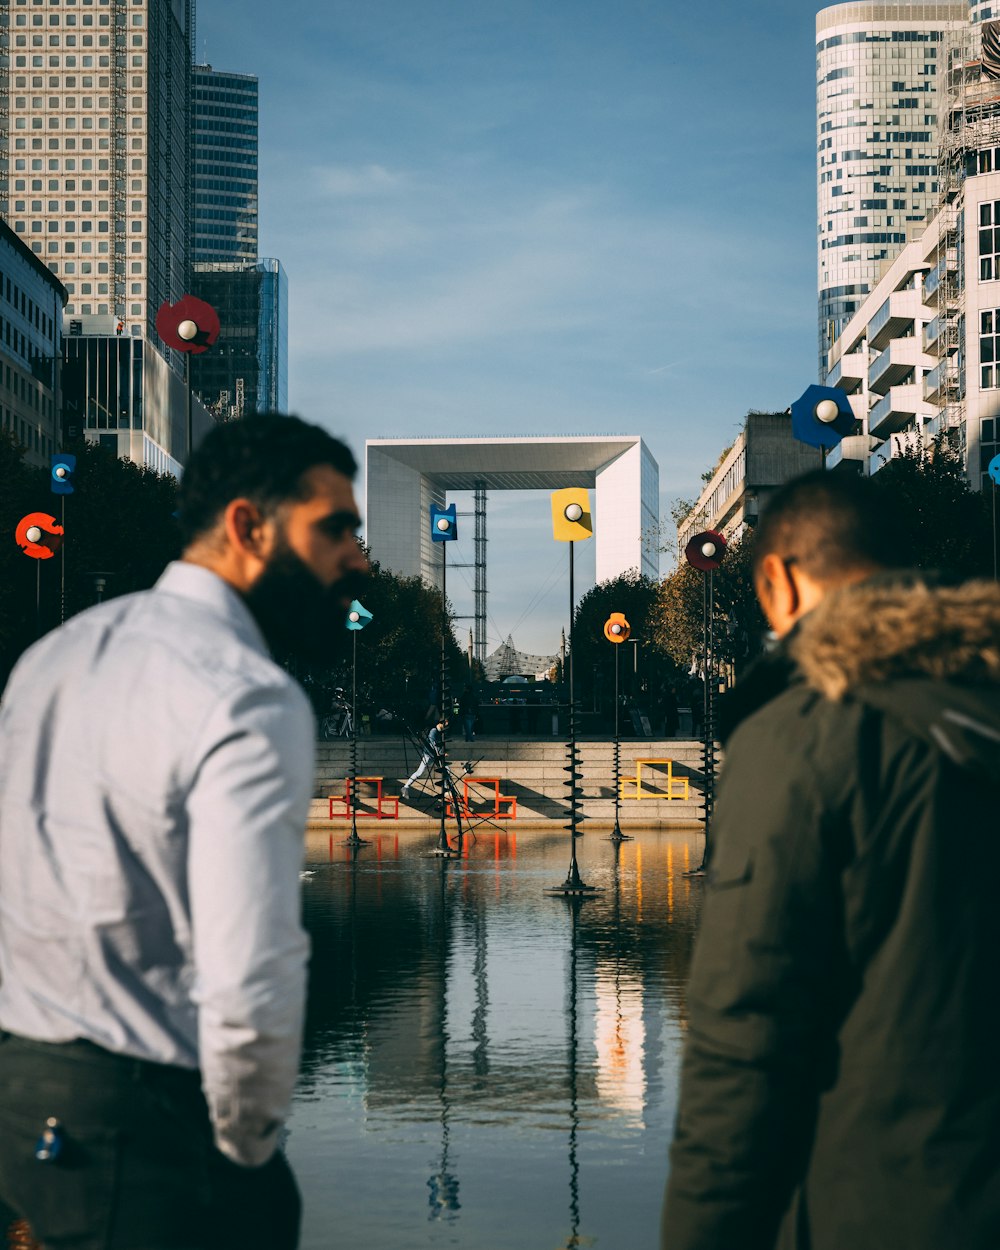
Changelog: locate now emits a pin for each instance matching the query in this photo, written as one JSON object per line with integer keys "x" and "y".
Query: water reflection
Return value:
{"x": 485, "y": 1066}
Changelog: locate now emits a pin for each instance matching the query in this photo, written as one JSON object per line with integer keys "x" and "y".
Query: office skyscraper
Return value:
{"x": 224, "y": 129}
{"x": 247, "y": 369}
{"x": 95, "y": 97}
{"x": 879, "y": 70}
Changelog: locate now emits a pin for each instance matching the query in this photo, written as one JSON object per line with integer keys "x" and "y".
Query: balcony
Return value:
{"x": 900, "y": 358}
{"x": 894, "y": 318}
{"x": 850, "y": 453}
{"x": 849, "y": 371}
{"x": 896, "y": 409}
{"x": 941, "y": 384}
{"x": 948, "y": 264}
{"x": 895, "y": 445}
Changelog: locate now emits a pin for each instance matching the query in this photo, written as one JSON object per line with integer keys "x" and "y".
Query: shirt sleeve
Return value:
{"x": 763, "y": 997}
{"x": 247, "y": 809}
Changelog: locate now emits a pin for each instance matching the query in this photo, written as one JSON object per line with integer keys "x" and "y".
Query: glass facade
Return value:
{"x": 31, "y": 304}
{"x": 247, "y": 368}
{"x": 879, "y": 69}
{"x": 224, "y": 180}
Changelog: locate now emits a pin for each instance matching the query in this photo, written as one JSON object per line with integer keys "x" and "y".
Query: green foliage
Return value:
{"x": 119, "y": 521}
{"x": 678, "y": 619}
{"x": 950, "y": 525}
{"x": 641, "y": 670}
{"x": 399, "y": 651}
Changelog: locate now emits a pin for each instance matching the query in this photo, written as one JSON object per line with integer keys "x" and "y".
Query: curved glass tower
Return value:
{"x": 879, "y": 67}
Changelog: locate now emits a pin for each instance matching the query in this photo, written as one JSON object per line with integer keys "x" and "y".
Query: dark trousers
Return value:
{"x": 137, "y": 1169}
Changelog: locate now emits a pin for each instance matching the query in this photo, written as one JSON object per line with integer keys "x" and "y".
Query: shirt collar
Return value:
{"x": 193, "y": 581}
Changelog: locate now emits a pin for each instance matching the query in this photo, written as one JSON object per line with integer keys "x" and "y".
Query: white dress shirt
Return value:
{"x": 156, "y": 768}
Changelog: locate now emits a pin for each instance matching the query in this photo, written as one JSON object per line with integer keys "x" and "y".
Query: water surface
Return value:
{"x": 485, "y": 1066}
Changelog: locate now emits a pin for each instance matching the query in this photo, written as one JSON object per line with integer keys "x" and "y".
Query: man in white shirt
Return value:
{"x": 156, "y": 767}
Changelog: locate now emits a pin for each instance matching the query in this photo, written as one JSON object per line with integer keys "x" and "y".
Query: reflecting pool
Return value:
{"x": 485, "y": 1066}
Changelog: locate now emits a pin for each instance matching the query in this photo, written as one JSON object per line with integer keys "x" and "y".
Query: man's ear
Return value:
{"x": 244, "y": 527}
{"x": 778, "y": 592}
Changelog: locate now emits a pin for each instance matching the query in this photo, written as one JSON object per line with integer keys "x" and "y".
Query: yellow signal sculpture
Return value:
{"x": 617, "y": 628}
{"x": 571, "y": 519}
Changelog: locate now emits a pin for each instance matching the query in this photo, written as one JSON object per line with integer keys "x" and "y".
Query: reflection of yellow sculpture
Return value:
{"x": 676, "y": 788}
{"x": 571, "y": 519}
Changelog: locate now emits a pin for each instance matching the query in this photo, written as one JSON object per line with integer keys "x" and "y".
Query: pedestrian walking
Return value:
{"x": 156, "y": 768}
{"x": 839, "y": 1085}
{"x": 432, "y": 754}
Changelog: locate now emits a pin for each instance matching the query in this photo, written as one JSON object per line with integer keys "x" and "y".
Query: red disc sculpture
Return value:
{"x": 38, "y": 535}
{"x": 190, "y": 325}
{"x": 705, "y": 550}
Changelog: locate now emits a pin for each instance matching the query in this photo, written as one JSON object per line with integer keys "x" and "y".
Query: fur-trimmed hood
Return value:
{"x": 888, "y": 628}
{"x": 928, "y": 654}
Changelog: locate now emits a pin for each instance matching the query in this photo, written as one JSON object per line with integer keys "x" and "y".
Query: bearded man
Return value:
{"x": 156, "y": 767}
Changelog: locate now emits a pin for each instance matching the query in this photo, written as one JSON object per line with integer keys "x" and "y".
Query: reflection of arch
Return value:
{"x": 405, "y": 476}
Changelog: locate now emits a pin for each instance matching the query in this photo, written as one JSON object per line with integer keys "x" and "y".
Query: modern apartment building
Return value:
{"x": 95, "y": 103}
{"x": 31, "y": 304}
{"x": 763, "y": 457}
{"x": 224, "y": 176}
{"x": 921, "y": 356}
{"x": 879, "y": 70}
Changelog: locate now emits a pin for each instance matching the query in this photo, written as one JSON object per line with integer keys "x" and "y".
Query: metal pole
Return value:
{"x": 443, "y": 847}
{"x": 354, "y": 839}
{"x": 190, "y": 413}
{"x": 616, "y": 833}
{"x": 708, "y": 744}
{"x": 62, "y": 565}
{"x": 994, "y": 531}
{"x": 573, "y": 885}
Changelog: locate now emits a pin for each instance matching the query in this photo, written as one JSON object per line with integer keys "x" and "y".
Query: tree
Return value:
{"x": 399, "y": 652}
{"x": 119, "y": 521}
{"x": 643, "y": 665}
{"x": 950, "y": 525}
{"x": 678, "y": 619}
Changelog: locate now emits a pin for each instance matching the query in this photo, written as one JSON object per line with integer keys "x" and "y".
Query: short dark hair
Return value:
{"x": 832, "y": 524}
{"x": 263, "y": 457}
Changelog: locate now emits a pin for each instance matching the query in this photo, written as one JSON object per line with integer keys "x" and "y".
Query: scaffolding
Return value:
{"x": 969, "y": 145}
{"x": 479, "y": 571}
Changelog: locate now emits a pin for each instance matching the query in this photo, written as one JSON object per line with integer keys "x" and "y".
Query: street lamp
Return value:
{"x": 572, "y": 523}
{"x": 190, "y": 326}
{"x": 444, "y": 529}
{"x": 358, "y": 617}
{"x": 617, "y": 630}
{"x": 705, "y": 552}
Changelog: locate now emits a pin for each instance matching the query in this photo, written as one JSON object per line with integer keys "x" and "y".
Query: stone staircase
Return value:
{"x": 532, "y": 771}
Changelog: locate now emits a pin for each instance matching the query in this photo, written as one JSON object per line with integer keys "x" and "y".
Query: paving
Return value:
{"x": 532, "y": 772}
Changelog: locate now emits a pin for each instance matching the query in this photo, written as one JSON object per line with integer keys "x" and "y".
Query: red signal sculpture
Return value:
{"x": 190, "y": 325}
{"x": 38, "y": 535}
{"x": 705, "y": 550}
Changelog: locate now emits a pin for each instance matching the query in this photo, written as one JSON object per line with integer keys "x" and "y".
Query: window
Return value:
{"x": 989, "y": 240}
{"x": 989, "y": 349}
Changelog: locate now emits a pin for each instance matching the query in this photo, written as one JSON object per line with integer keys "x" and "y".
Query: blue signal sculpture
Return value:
{"x": 358, "y": 616}
{"x": 993, "y": 469}
{"x": 822, "y": 416}
{"x": 63, "y": 471}
{"x": 444, "y": 523}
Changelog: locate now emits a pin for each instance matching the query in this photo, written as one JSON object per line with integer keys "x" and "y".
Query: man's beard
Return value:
{"x": 300, "y": 618}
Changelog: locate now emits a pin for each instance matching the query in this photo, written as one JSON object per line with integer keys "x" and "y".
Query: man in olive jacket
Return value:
{"x": 841, "y": 1082}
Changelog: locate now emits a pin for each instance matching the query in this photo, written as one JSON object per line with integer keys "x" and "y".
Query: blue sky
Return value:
{"x": 519, "y": 218}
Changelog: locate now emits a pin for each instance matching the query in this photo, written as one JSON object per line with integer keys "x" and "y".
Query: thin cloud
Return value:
{"x": 358, "y": 182}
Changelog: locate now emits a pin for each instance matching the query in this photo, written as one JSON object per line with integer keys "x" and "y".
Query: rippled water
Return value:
{"x": 485, "y": 1066}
